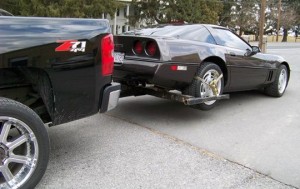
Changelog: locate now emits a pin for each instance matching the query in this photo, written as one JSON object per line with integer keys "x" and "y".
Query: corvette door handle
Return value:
{"x": 232, "y": 54}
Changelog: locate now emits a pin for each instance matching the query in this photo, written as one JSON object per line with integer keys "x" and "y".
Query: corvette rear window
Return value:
{"x": 201, "y": 34}
{"x": 170, "y": 30}
{"x": 189, "y": 32}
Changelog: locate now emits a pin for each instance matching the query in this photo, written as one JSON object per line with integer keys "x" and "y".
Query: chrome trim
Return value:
{"x": 113, "y": 99}
{"x": 21, "y": 153}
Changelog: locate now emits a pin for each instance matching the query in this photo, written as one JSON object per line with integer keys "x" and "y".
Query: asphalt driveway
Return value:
{"x": 249, "y": 141}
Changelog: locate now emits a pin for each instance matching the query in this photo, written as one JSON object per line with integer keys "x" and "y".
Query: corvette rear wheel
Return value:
{"x": 209, "y": 72}
{"x": 277, "y": 88}
{"x": 24, "y": 146}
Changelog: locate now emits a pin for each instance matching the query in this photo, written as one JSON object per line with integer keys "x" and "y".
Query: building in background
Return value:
{"x": 120, "y": 22}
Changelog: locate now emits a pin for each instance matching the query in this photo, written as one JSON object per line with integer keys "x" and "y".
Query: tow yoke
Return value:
{"x": 170, "y": 95}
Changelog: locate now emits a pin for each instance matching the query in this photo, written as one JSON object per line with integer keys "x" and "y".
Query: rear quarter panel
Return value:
{"x": 75, "y": 77}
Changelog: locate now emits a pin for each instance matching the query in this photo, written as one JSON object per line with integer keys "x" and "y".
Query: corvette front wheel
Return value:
{"x": 207, "y": 73}
{"x": 24, "y": 146}
{"x": 277, "y": 88}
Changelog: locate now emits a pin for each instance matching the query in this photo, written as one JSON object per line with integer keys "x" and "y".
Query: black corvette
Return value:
{"x": 201, "y": 61}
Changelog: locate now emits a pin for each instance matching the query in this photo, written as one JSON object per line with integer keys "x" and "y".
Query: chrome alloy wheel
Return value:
{"x": 282, "y": 81}
{"x": 205, "y": 89}
{"x": 18, "y": 153}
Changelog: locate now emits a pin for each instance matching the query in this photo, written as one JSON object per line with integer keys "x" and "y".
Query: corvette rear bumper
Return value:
{"x": 158, "y": 73}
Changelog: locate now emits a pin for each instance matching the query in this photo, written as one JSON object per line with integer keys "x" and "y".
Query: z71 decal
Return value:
{"x": 71, "y": 46}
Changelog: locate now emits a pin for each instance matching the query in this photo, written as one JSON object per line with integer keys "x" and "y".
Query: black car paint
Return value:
{"x": 247, "y": 71}
{"x": 75, "y": 78}
{"x": 242, "y": 71}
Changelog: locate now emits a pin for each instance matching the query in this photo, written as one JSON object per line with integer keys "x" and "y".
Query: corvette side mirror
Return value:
{"x": 255, "y": 49}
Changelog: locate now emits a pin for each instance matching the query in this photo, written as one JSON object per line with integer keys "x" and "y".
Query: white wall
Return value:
{"x": 120, "y": 20}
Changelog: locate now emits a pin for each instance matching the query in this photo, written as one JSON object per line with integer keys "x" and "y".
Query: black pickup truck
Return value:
{"x": 52, "y": 70}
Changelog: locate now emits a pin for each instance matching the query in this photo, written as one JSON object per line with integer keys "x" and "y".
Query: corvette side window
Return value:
{"x": 229, "y": 39}
{"x": 199, "y": 34}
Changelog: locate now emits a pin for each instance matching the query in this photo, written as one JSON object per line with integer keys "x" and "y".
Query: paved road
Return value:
{"x": 148, "y": 142}
{"x": 279, "y": 45}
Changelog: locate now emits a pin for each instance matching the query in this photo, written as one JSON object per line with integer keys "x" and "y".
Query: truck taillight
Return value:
{"x": 107, "y": 50}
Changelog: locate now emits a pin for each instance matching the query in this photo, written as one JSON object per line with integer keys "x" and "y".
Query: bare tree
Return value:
{"x": 288, "y": 18}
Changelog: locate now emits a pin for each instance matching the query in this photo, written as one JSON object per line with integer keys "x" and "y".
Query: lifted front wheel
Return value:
{"x": 208, "y": 83}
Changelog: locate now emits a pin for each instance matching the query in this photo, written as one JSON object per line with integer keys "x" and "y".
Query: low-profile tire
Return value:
{"x": 207, "y": 71}
{"x": 24, "y": 146}
{"x": 278, "y": 87}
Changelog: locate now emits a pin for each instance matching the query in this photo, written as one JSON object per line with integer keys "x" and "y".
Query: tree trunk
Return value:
{"x": 285, "y": 34}
{"x": 240, "y": 32}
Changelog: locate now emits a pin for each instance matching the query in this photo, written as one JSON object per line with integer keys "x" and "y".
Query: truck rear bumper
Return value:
{"x": 110, "y": 98}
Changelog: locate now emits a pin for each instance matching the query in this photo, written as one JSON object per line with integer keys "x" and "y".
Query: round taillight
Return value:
{"x": 138, "y": 47}
{"x": 151, "y": 48}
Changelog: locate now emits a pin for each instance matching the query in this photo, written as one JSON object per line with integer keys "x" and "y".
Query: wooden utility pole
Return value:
{"x": 278, "y": 19}
{"x": 262, "y": 23}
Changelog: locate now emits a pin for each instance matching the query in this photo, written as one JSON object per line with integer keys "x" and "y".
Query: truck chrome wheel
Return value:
{"x": 18, "y": 152}
{"x": 24, "y": 146}
{"x": 282, "y": 81}
{"x": 205, "y": 90}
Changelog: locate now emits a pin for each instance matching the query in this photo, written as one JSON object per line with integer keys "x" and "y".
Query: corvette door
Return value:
{"x": 246, "y": 71}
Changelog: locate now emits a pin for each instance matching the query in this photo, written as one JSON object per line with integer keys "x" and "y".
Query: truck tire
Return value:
{"x": 277, "y": 88}
{"x": 207, "y": 71}
{"x": 24, "y": 146}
